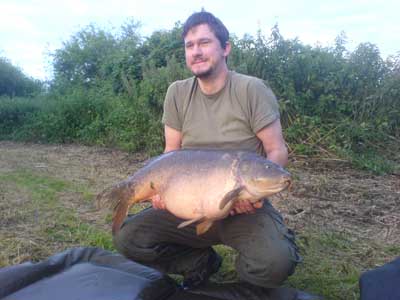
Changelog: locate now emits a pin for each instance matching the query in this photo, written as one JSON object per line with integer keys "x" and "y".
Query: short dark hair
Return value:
{"x": 215, "y": 24}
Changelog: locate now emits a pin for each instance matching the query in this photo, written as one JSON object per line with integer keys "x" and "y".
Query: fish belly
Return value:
{"x": 191, "y": 197}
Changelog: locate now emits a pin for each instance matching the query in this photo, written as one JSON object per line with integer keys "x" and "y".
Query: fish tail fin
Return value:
{"x": 119, "y": 214}
{"x": 111, "y": 196}
{"x": 118, "y": 198}
{"x": 104, "y": 199}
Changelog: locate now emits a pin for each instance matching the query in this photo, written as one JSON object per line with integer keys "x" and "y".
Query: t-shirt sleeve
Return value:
{"x": 263, "y": 105}
{"x": 171, "y": 113}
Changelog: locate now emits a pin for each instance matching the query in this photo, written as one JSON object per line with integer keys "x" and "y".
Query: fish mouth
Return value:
{"x": 274, "y": 190}
{"x": 271, "y": 190}
{"x": 288, "y": 184}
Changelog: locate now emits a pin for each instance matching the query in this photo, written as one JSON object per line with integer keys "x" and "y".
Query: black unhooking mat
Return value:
{"x": 88, "y": 274}
{"x": 382, "y": 283}
{"x": 84, "y": 273}
{"x": 97, "y": 274}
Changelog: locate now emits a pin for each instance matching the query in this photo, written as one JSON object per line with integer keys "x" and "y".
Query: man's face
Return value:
{"x": 203, "y": 51}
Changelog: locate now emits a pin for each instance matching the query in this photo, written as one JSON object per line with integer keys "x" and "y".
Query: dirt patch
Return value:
{"x": 89, "y": 165}
{"x": 326, "y": 193}
{"x": 332, "y": 195}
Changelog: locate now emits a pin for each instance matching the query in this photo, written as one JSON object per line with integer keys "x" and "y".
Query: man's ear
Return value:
{"x": 227, "y": 49}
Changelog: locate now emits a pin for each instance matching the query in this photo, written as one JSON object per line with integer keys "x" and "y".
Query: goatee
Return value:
{"x": 203, "y": 74}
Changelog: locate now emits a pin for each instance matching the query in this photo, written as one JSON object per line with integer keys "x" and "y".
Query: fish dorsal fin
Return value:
{"x": 188, "y": 222}
{"x": 203, "y": 227}
{"x": 232, "y": 195}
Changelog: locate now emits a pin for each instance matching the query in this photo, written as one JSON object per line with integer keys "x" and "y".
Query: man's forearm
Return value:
{"x": 278, "y": 156}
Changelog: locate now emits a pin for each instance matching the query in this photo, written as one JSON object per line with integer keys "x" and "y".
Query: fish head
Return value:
{"x": 262, "y": 177}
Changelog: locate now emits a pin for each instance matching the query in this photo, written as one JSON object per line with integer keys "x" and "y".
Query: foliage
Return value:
{"x": 61, "y": 119}
{"x": 109, "y": 89}
{"x": 14, "y": 83}
{"x": 14, "y": 112}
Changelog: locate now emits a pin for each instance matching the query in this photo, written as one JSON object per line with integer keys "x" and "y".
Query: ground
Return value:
{"x": 346, "y": 220}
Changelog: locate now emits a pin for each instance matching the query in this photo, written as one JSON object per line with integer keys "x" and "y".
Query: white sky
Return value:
{"x": 30, "y": 29}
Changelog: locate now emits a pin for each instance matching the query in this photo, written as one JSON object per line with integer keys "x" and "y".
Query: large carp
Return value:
{"x": 198, "y": 185}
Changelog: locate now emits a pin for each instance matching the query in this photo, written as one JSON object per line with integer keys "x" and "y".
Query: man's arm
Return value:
{"x": 173, "y": 139}
{"x": 273, "y": 143}
{"x": 275, "y": 148}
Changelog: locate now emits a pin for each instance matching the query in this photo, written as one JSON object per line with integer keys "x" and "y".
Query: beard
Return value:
{"x": 203, "y": 73}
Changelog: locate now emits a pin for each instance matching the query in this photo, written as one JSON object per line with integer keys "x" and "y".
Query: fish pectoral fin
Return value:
{"x": 187, "y": 223}
{"x": 232, "y": 195}
{"x": 203, "y": 227}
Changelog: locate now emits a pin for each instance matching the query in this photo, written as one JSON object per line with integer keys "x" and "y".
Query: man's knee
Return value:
{"x": 270, "y": 271}
{"x": 119, "y": 241}
{"x": 122, "y": 243}
{"x": 130, "y": 241}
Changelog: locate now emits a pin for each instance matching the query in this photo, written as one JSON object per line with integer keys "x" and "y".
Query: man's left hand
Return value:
{"x": 245, "y": 207}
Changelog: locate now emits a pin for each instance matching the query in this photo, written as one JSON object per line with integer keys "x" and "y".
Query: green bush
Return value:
{"x": 14, "y": 112}
{"x": 60, "y": 119}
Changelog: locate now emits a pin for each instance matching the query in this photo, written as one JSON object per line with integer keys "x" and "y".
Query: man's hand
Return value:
{"x": 157, "y": 202}
{"x": 245, "y": 207}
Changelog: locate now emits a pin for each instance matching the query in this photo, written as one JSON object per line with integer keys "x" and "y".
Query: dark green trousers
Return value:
{"x": 267, "y": 253}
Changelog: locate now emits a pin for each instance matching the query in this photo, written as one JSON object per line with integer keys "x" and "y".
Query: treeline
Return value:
{"x": 109, "y": 87}
{"x": 14, "y": 83}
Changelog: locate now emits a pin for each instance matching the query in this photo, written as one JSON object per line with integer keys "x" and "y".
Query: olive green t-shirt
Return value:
{"x": 228, "y": 119}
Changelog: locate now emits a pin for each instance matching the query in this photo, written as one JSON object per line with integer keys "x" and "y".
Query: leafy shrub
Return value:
{"x": 14, "y": 112}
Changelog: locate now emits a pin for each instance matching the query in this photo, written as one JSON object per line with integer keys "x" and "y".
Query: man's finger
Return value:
{"x": 157, "y": 202}
{"x": 258, "y": 204}
{"x": 249, "y": 207}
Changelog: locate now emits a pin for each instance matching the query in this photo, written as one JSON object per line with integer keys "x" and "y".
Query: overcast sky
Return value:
{"x": 30, "y": 29}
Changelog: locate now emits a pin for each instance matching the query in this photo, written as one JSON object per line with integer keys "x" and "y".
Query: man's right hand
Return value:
{"x": 157, "y": 202}
{"x": 245, "y": 207}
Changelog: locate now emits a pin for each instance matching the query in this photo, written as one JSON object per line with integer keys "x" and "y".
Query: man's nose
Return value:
{"x": 196, "y": 50}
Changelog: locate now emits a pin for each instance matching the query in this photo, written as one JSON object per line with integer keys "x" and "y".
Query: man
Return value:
{"x": 219, "y": 109}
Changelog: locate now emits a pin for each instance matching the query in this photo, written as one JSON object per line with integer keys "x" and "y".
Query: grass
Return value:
{"x": 334, "y": 261}
{"x": 42, "y": 215}
{"x": 328, "y": 268}
{"x": 330, "y": 265}
{"x": 47, "y": 223}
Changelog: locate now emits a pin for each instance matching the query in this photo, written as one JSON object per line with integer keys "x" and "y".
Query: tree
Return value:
{"x": 13, "y": 82}
{"x": 81, "y": 59}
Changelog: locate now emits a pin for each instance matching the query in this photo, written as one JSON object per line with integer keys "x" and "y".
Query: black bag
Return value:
{"x": 382, "y": 283}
